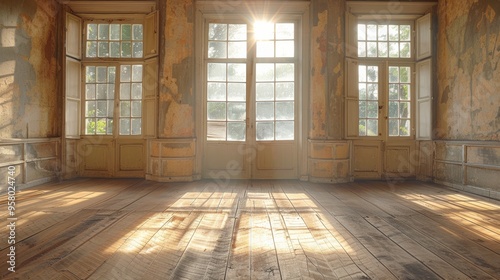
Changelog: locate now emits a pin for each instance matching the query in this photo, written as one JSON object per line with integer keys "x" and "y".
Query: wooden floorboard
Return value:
{"x": 251, "y": 229}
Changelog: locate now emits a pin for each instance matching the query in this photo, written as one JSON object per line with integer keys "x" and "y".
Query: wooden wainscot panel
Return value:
{"x": 484, "y": 155}
{"x": 448, "y": 152}
{"x": 397, "y": 160}
{"x": 425, "y": 160}
{"x": 366, "y": 161}
{"x": 97, "y": 157}
{"x": 41, "y": 169}
{"x": 279, "y": 157}
{"x": 41, "y": 150}
{"x": 10, "y": 153}
{"x": 178, "y": 149}
{"x": 177, "y": 167}
{"x": 321, "y": 150}
{"x": 484, "y": 178}
{"x": 451, "y": 173}
{"x": 329, "y": 169}
{"x": 342, "y": 151}
{"x": 131, "y": 157}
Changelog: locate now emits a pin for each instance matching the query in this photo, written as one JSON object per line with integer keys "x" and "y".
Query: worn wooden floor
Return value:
{"x": 136, "y": 229}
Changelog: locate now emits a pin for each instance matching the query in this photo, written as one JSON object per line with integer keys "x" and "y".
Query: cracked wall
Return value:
{"x": 468, "y": 58}
{"x": 29, "y": 101}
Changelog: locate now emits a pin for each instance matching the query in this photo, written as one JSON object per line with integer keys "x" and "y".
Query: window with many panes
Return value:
{"x": 113, "y": 69}
{"x": 384, "y": 54}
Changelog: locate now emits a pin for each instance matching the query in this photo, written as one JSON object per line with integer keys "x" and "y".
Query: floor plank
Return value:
{"x": 252, "y": 229}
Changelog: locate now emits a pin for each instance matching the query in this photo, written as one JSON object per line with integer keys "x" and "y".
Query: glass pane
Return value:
{"x": 236, "y": 131}
{"x": 393, "y": 32}
{"x": 362, "y": 128}
{"x": 404, "y": 91}
{"x": 101, "y": 126}
{"x": 136, "y": 127}
{"x": 137, "y": 91}
{"x": 393, "y": 109}
{"x": 114, "y": 49}
{"x": 111, "y": 107}
{"x": 264, "y": 72}
{"x": 362, "y": 91}
{"x": 114, "y": 32}
{"x": 285, "y": 72}
{"x": 393, "y": 49}
{"x": 126, "y": 49}
{"x": 89, "y": 126}
{"x": 382, "y": 32}
{"x": 217, "y": 31}
{"x": 265, "y": 111}
{"x": 362, "y": 109}
{"x": 371, "y": 32}
{"x": 109, "y": 128}
{"x": 284, "y": 130}
{"x": 382, "y": 49}
{"x": 137, "y": 32}
{"x": 404, "y": 127}
{"x": 393, "y": 92}
{"x": 236, "y": 111}
{"x": 124, "y": 108}
{"x": 237, "y": 32}
{"x": 404, "y": 49}
{"x": 216, "y": 71}
{"x": 126, "y": 32}
{"x": 265, "y": 49}
{"x": 137, "y": 49}
{"x": 405, "y": 32}
{"x": 404, "y": 74}
{"x": 361, "y": 32}
{"x": 124, "y": 126}
{"x": 361, "y": 49}
{"x": 284, "y": 31}
{"x": 90, "y": 109}
{"x": 285, "y": 49}
{"x": 404, "y": 109}
{"x": 237, "y": 72}
{"x": 236, "y": 92}
{"x": 217, "y": 50}
{"x": 285, "y": 91}
{"x": 125, "y": 73}
{"x": 264, "y": 91}
{"x": 216, "y": 131}
{"x": 371, "y": 49}
{"x": 265, "y": 131}
{"x": 393, "y": 128}
{"x": 102, "y": 108}
{"x": 111, "y": 74}
{"x": 103, "y": 49}
{"x": 393, "y": 74}
{"x": 92, "y": 31}
{"x": 372, "y": 109}
{"x": 264, "y": 30}
{"x": 372, "y": 91}
{"x": 284, "y": 111}
{"x": 362, "y": 73}
{"x": 125, "y": 91}
{"x": 237, "y": 50}
{"x": 372, "y": 73}
{"x": 91, "y": 49}
{"x": 216, "y": 91}
{"x": 90, "y": 91}
{"x": 372, "y": 127}
{"x": 90, "y": 75}
{"x": 103, "y": 32}
{"x": 216, "y": 111}
{"x": 102, "y": 91}
{"x": 102, "y": 74}
{"x": 136, "y": 108}
{"x": 136, "y": 73}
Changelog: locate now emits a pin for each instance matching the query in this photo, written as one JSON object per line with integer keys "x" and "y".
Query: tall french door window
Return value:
{"x": 113, "y": 78}
{"x": 250, "y": 81}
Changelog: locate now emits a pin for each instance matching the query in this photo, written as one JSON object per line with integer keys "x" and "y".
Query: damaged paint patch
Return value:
{"x": 177, "y": 77}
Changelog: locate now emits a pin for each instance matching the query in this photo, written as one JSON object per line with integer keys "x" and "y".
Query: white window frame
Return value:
{"x": 380, "y": 13}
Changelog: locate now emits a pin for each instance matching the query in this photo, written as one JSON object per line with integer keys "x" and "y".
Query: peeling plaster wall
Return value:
{"x": 468, "y": 99}
{"x": 177, "y": 116}
{"x": 29, "y": 101}
{"x": 327, "y": 69}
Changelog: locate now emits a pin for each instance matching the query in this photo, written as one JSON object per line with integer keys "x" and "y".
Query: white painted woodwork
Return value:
{"x": 424, "y": 100}
{"x": 424, "y": 37}
{"x": 367, "y": 159}
{"x": 352, "y": 99}
{"x": 151, "y": 35}
{"x": 73, "y": 36}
